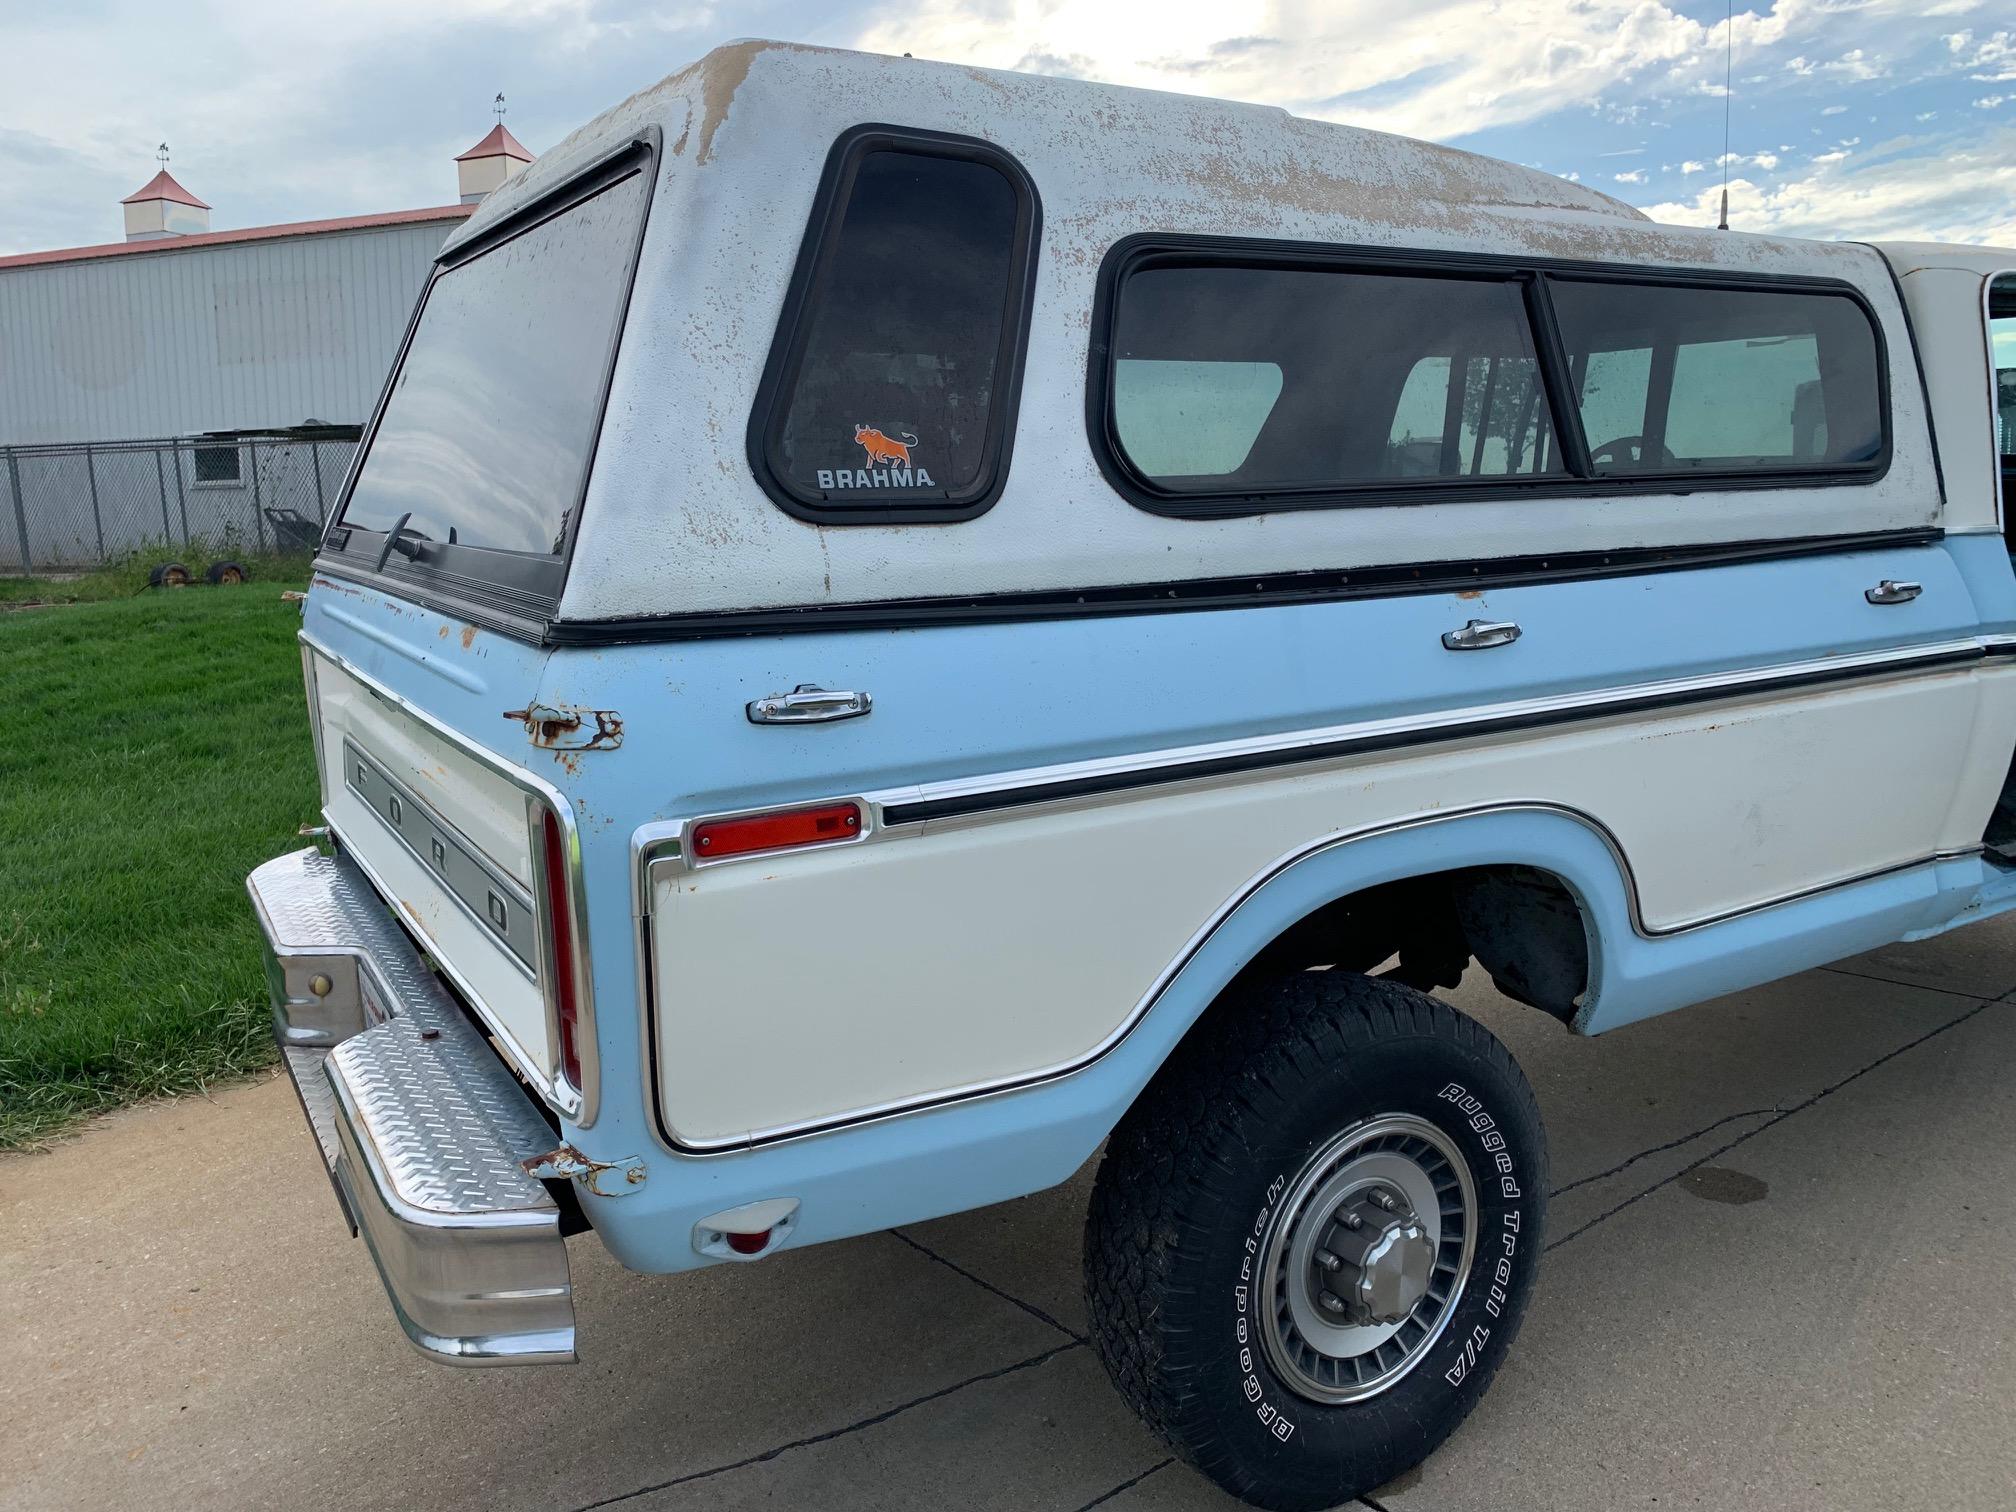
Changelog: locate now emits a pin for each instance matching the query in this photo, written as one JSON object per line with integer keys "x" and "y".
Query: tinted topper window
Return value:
{"x": 1302, "y": 378}
{"x": 897, "y": 373}
{"x": 1679, "y": 379}
{"x": 486, "y": 435}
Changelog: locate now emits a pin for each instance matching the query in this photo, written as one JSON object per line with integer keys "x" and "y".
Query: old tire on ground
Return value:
{"x": 225, "y": 573}
{"x": 169, "y": 575}
{"x": 1313, "y": 1236}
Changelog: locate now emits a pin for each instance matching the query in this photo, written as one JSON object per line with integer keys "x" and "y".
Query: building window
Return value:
{"x": 892, "y": 379}
{"x": 219, "y": 465}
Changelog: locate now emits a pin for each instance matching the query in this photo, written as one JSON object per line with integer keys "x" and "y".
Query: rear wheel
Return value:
{"x": 169, "y": 575}
{"x": 225, "y": 574}
{"x": 1313, "y": 1237}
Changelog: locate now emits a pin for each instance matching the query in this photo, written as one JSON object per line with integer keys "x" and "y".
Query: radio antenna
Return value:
{"x": 1728, "y": 99}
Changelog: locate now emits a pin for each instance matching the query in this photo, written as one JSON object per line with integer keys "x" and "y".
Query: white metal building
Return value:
{"x": 179, "y": 329}
{"x": 194, "y": 341}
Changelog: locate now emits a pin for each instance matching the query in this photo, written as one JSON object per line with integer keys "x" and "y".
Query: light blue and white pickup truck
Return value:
{"x": 897, "y": 625}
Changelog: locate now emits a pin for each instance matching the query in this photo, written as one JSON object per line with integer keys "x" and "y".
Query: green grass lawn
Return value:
{"x": 153, "y": 749}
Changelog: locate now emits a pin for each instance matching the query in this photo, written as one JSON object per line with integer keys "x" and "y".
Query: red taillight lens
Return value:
{"x": 560, "y": 921}
{"x": 761, "y": 832}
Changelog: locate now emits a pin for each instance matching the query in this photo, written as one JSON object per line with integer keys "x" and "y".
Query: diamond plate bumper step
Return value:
{"x": 421, "y": 1125}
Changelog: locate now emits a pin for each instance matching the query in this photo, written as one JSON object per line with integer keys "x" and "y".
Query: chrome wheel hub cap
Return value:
{"x": 1365, "y": 1258}
{"x": 1373, "y": 1264}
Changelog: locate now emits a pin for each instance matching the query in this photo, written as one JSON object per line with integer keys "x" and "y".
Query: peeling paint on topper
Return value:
{"x": 674, "y": 521}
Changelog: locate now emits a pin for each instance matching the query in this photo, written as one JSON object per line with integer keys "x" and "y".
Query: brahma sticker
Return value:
{"x": 888, "y": 463}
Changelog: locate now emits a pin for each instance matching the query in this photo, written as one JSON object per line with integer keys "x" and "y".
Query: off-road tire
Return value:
{"x": 1268, "y": 1079}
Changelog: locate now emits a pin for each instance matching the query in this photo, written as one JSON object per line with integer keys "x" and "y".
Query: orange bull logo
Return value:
{"x": 888, "y": 463}
{"x": 881, "y": 449}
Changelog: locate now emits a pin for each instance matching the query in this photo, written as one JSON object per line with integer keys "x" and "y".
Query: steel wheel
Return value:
{"x": 1366, "y": 1258}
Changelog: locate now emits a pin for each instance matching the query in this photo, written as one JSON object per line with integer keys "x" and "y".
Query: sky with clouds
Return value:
{"x": 1850, "y": 118}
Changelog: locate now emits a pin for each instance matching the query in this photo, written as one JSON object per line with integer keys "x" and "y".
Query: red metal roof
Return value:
{"x": 249, "y": 233}
{"x": 161, "y": 186}
{"x": 500, "y": 143}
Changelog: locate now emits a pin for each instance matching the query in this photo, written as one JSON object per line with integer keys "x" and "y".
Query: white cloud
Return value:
{"x": 1833, "y": 110}
{"x": 1932, "y": 193}
{"x": 1693, "y": 167}
{"x": 1992, "y": 101}
{"x": 1857, "y": 64}
{"x": 1992, "y": 60}
{"x": 1635, "y": 176}
{"x": 1435, "y": 68}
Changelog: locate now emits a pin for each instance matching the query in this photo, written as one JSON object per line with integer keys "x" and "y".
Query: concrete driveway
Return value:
{"x": 1784, "y": 1242}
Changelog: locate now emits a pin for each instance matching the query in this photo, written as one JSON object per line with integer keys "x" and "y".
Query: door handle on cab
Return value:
{"x": 806, "y": 704}
{"x": 1890, "y": 591}
{"x": 1481, "y": 635}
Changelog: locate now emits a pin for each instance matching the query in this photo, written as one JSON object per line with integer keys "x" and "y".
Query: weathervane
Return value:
{"x": 161, "y": 153}
{"x": 498, "y": 109}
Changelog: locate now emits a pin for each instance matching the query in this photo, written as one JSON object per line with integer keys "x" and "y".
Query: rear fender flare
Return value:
{"x": 1564, "y": 842}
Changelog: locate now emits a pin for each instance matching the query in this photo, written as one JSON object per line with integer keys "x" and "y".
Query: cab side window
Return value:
{"x": 1471, "y": 415}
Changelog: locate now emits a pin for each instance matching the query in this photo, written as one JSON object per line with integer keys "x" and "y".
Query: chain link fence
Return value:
{"x": 70, "y": 507}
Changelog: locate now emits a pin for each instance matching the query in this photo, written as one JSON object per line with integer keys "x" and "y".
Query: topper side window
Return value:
{"x": 891, "y": 387}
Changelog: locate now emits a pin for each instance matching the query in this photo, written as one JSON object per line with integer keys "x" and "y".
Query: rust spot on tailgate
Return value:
{"x": 563, "y": 727}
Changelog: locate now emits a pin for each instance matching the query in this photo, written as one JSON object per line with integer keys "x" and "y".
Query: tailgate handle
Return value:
{"x": 1890, "y": 591}
{"x": 806, "y": 704}
{"x": 1481, "y": 635}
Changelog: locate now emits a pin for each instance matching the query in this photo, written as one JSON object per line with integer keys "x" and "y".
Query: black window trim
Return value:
{"x": 520, "y": 590}
{"x": 1537, "y": 277}
{"x": 816, "y": 253}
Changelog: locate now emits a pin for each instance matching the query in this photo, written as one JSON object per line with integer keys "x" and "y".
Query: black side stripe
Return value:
{"x": 1191, "y": 595}
{"x": 1093, "y": 785}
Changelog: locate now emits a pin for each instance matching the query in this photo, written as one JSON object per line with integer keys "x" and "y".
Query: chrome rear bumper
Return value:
{"x": 421, "y": 1125}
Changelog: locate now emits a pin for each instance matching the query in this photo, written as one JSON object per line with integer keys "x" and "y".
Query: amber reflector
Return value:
{"x": 764, "y": 832}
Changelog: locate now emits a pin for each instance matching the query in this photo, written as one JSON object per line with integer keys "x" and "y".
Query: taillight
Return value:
{"x": 762, "y": 832}
{"x": 560, "y": 924}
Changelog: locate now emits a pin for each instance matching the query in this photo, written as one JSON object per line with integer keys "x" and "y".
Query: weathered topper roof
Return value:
{"x": 674, "y": 521}
{"x": 1332, "y": 153}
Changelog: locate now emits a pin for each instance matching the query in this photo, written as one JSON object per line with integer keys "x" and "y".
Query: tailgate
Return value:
{"x": 446, "y": 838}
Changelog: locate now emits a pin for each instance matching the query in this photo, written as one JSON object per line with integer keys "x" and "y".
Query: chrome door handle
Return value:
{"x": 806, "y": 704}
{"x": 1890, "y": 591}
{"x": 1480, "y": 635}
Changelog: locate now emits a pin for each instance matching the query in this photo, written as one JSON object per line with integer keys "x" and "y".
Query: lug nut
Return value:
{"x": 1328, "y": 1261}
{"x": 1329, "y": 1303}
